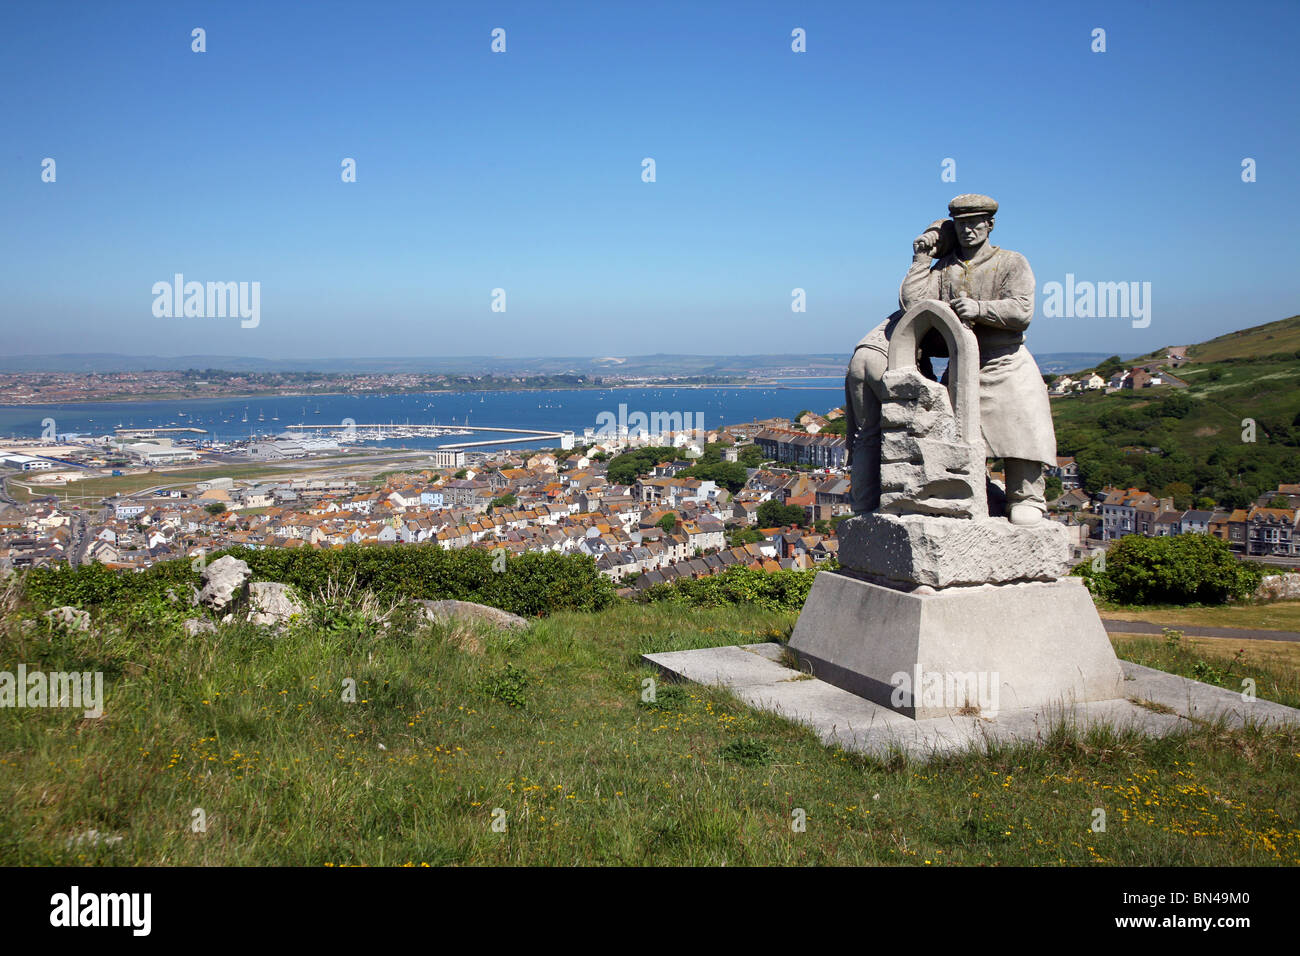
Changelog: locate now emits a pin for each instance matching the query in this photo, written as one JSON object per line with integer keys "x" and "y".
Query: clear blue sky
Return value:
{"x": 523, "y": 170}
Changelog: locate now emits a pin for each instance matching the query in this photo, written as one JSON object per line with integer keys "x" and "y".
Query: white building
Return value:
{"x": 159, "y": 453}
{"x": 454, "y": 458}
{"x": 27, "y": 462}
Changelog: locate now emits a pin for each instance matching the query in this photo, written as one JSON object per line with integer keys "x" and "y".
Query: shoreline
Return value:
{"x": 176, "y": 397}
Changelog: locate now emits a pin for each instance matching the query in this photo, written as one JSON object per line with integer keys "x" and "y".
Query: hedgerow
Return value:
{"x": 530, "y": 585}
{"x": 771, "y": 590}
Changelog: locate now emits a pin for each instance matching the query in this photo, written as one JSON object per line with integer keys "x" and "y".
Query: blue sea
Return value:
{"x": 559, "y": 410}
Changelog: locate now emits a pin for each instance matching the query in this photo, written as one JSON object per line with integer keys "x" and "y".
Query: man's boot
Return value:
{"x": 1026, "y": 504}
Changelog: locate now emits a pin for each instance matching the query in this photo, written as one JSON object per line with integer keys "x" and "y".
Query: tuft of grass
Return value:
{"x": 1152, "y": 705}
{"x": 667, "y": 697}
{"x": 748, "y": 753}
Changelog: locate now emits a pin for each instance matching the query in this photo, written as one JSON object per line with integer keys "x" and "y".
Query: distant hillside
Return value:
{"x": 1202, "y": 432}
{"x": 1057, "y": 363}
{"x": 1260, "y": 340}
{"x": 723, "y": 366}
{"x": 632, "y": 365}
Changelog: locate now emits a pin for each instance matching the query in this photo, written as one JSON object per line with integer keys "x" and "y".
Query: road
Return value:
{"x": 1228, "y": 633}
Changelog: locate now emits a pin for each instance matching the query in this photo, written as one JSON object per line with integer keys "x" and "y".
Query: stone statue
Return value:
{"x": 991, "y": 291}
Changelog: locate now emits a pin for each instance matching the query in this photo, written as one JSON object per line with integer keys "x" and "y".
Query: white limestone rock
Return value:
{"x": 272, "y": 604}
{"x": 70, "y": 618}
{"x": 441, "y": 612}
{"x": 222, "y": 580}
{"x": 195, "y": 626}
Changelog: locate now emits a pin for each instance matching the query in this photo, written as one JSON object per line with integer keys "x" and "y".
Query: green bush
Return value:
{"x": 1183, "y": 569}
{"x": 770, "y": 590}
{"x": 93, "y": 585}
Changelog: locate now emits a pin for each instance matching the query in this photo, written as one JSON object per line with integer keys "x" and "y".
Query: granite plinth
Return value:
{"x": 959, "y": 650}
{"x": 906, "y": 551}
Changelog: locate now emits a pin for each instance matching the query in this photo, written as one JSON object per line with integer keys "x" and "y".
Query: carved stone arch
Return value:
{"x": 963, "y": 359}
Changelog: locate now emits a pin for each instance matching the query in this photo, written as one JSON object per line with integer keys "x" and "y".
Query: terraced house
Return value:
{"x": 801, "y": 448}
{"x": 1273, "y": 531}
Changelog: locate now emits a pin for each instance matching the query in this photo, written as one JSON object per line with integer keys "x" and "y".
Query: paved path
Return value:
{"x": 1232, "y": 633}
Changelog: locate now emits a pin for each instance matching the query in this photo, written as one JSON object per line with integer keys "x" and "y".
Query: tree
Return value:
{"x": 626, "y": 468}
{"x": 502, "y": 501}
{"x": 751, "y": 456}
{"x": 774, "y": 514}
{"x": 1110, "y": 366}
{"x": 727, "y": 474}
{"x": 215, "y": 508}
{"x": 1176, "y": 405}
{"x": 1237, "y": 496}
{"x": 668, "y": 522}
{"x": 712, "y": 453}
{"x": 1052, "y": 488}
{"x": 460, "y": 474}
{"x": 1180, "y": 492}
{"x": 743, "y": 536}
{"x": 1204, "y": 504}
{"x": 1280, "y": 501}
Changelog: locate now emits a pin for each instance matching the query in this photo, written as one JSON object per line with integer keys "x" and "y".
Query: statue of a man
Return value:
{"x": 992, "y": 291}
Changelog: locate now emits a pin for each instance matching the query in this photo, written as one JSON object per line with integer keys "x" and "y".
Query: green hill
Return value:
{"x": 1195, "y": 442}
{"x": 1275, "y": 338}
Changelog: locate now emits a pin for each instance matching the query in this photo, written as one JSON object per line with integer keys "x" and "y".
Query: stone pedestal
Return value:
{"x": 906, "y": 551}
{"x": 961, "y": 650}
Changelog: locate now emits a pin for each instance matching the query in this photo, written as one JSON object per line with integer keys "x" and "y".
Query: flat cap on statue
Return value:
{"x": 972, "y": 204}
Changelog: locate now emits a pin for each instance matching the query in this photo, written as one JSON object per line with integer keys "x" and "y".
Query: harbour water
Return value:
{"x": 226, "y": 419}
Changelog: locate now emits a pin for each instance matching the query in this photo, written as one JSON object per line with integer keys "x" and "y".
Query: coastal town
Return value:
{"x": 657, "y": 527}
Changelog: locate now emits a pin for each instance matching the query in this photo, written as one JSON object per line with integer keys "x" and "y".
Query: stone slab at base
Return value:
{"x": 910, "y": 550}
{"x": 995, "y": 647}
{"x": 752, "y": 672}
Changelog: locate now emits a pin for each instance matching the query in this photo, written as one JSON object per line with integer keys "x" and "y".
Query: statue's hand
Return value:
{"x": 967, "y": 309}
{"x": 924, "y": 243}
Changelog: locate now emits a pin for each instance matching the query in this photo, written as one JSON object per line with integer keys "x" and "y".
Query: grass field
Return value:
{"x": 1274, "y": 666}
{"x": 251, "y": 730}
{"x": 93, "y": 489}
{"x": 1274, "y": 337}
{"x": 102, "y": 487}
{"x": 1276, "y": 616}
